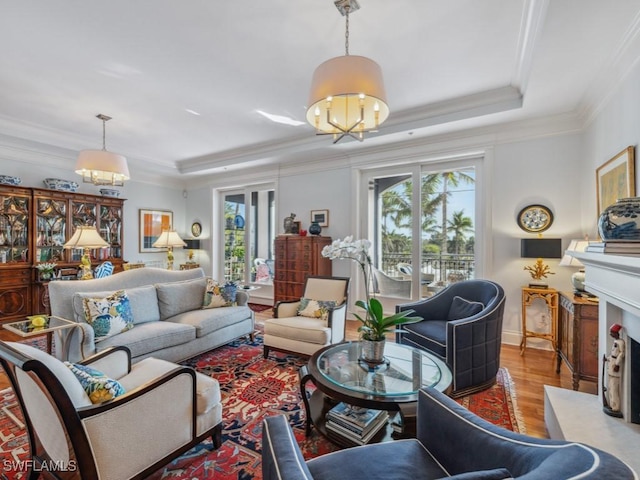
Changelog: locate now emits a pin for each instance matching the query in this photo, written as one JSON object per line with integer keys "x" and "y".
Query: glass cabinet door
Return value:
{"x": 82, "y": 213}
{"x": 51, "y": 226}
{"x": 111, "y": 231}
{"x": 14, "y": 228}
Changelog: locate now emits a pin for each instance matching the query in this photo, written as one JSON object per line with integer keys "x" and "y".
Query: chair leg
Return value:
{"x": 216, "y": 436}
{"x": 265, "y": 351}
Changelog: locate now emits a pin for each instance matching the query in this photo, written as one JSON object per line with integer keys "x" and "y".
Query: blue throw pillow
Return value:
{"x": 461, "y": 308}
{"x": 98, "y": 386}
{"x": 110, "y": 315}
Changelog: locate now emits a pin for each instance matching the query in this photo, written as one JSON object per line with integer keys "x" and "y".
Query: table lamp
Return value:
{"x": 540, "y": 248}
{"x": 169, "y": 239}
{"x": 192, "y": 244}
{"x": 86, "y": 237}
{"x": 577, "y": 279}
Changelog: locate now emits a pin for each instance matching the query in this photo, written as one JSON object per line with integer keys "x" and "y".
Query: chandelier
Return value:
{"x": 347, "y": 95}
{"x": 101, "y": 167}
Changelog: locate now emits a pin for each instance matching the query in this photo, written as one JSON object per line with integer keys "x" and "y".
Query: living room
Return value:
{"x": 546, "y": 157}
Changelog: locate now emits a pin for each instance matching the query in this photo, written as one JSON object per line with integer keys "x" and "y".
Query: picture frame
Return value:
{"x": 616, "y": 179}
{"x": 151, "y": 224}
{"x": 321, "y": 217}
{"x": 296, "y": 227}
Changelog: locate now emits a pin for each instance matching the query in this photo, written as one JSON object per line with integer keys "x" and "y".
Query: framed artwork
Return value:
{"x": 296, "y": 227}
{"x": 196, "y": 229}
{"x": 616, "y": 179}
{"x": 320, "y": 216}
{"x": 152, "y": 223}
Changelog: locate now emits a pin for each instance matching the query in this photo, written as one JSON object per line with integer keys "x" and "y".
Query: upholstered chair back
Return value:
{"x": 319, "y": 288}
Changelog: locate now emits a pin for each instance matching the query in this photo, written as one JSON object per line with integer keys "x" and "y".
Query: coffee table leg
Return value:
{"x": 304, "y": 378}
{"x": 408, "y": 413}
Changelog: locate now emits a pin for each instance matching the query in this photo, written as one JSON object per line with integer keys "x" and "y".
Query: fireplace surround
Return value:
{"x": 578, "y": 416}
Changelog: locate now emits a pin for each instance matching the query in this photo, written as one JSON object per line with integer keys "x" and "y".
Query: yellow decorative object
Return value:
{"x": 539, "y": 270}
{"x": 38, "y": 321}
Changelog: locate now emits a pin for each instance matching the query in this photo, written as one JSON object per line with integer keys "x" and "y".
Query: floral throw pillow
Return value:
{"x": 315, "y": 308}
{"x": 110, "y": 315}
{"x": 215, "y": 295}
{"x": 98, "y": 386}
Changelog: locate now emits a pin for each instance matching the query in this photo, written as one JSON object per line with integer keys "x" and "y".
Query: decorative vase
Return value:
{"x": 288, "y": 223}
{"x": 315, "y": 228}
{"x": 45, "y": 276}
{"x": 621, "y": 221}
{"x": 373, "y": 351}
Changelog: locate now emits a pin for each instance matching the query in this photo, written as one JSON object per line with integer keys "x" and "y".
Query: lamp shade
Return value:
{"x": 343, "y": 85}
{"x": 541, "y": 248}
{"x": 192, "y": 243}
{"x": 167, "y": 239}
{"x": 574, "y": 246}
{"x": 86, "y": 236}
{"x": 101, "y": 167}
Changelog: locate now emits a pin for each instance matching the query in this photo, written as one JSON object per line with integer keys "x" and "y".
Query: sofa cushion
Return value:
{"x": 108, "y": 315}
{"x": 493, "y": 474}
{"x": 149, "y": 337}
{"x": 211, "y": 320}
{"x": 315, "y": 308}
{"x": 215, "y": 295}
{"x": 179, "y": 297}
{"x": 303, "y": 329}
{"x": 143, "y": 301}
{"x": 69, "y": 382}
{"x": 98, "y": 386}
{"x": 462, "y": 308}
{"x": 428, "y": 334}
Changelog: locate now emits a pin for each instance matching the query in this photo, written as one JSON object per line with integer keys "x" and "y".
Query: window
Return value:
{"x": 248, "y": 235}
{"x": 424, "y": 238}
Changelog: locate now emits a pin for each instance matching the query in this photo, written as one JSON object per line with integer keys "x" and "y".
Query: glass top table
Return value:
{"x": 340, "y": 375}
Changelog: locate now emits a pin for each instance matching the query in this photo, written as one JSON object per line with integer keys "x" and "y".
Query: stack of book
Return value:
{"x": 615, "y": 247}
{"x": 355, "y": 424}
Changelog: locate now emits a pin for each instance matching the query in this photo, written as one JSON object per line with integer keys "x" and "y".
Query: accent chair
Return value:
{"x": 451, "y": 442}
{"x": 461, "y": 324}
{"x": 316, "y": 320}
{"x": 160, "y": 411}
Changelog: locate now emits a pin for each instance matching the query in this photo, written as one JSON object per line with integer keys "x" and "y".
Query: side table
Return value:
{"x": 27, "y": 329}
{"x": 578, "y": 337}
{"x": 550, "y": 297}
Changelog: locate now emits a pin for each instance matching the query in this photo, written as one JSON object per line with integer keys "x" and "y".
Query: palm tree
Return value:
{"x": 460, "y": 225}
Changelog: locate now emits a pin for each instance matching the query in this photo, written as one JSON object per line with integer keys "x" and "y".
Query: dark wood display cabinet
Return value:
{"x": 578, "y": 337}
{"x": 34, "y": 226}
{"x": 296, "y": 258}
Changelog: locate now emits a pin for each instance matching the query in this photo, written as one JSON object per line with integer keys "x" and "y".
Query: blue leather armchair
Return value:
{"x": 452, "y": 443}
{"x": 462, "y": 324}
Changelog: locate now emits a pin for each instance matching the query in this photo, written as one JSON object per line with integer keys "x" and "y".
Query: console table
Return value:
{"x": 578, "y": 337}
{"x": 550, "y": 297}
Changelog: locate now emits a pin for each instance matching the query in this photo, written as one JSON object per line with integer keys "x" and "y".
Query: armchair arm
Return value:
{"x": 337, "y": 322}
{"x": 281, "y": 456}
{"x": 114, "y": 362}
{"x": 286, "y": 309}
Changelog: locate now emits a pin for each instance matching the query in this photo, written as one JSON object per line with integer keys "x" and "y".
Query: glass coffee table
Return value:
{"x": 340, "y": 375}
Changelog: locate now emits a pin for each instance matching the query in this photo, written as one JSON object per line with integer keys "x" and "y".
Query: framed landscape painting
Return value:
{"x": 152, "y": 223}
{"x": 616, "y": 179}
{"x": 320, "y": 216}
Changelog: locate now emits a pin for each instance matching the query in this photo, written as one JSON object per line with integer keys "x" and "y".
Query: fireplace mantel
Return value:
{"x": 615, "y": 279}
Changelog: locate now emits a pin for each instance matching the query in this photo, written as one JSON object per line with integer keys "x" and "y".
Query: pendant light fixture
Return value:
{"x": 101, "y": 167}
{"x": 347, "y": 95}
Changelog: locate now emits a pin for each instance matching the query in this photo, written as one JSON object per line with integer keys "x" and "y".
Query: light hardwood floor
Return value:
{"x": 529, "y": 373}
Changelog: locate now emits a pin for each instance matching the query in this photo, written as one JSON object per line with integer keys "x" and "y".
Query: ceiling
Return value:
{"x": 448, "y": 65}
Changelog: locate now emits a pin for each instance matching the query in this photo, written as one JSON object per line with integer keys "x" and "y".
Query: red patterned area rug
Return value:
{"x": 252, "y": 388}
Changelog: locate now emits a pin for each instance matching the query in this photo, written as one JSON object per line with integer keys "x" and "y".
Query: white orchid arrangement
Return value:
{"x": 46, "y": 267}
{"x": 374, "y": 325}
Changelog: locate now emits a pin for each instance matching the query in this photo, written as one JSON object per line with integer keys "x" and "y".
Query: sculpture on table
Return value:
{"x": 613, "y": 363}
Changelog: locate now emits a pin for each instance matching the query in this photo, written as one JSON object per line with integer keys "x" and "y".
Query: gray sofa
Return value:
{"x": 169, "y": 322}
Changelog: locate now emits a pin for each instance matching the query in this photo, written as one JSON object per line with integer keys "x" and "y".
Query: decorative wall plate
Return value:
{"x": 196, "y": 229}
{"x": 535, "y": 218}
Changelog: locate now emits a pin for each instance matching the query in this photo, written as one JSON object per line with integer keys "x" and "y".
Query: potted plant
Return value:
{"x": 375, "y": 325}
{"x": 46, "y": 270}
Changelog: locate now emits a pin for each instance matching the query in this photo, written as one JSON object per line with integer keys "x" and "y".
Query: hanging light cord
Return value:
{"x": 104, "y": 135}
{"x": 346, "y": 32}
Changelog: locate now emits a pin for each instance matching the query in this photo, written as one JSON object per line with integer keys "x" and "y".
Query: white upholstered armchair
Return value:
{"x": 165, "y": 410}
{"x": 303, "y": 327}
